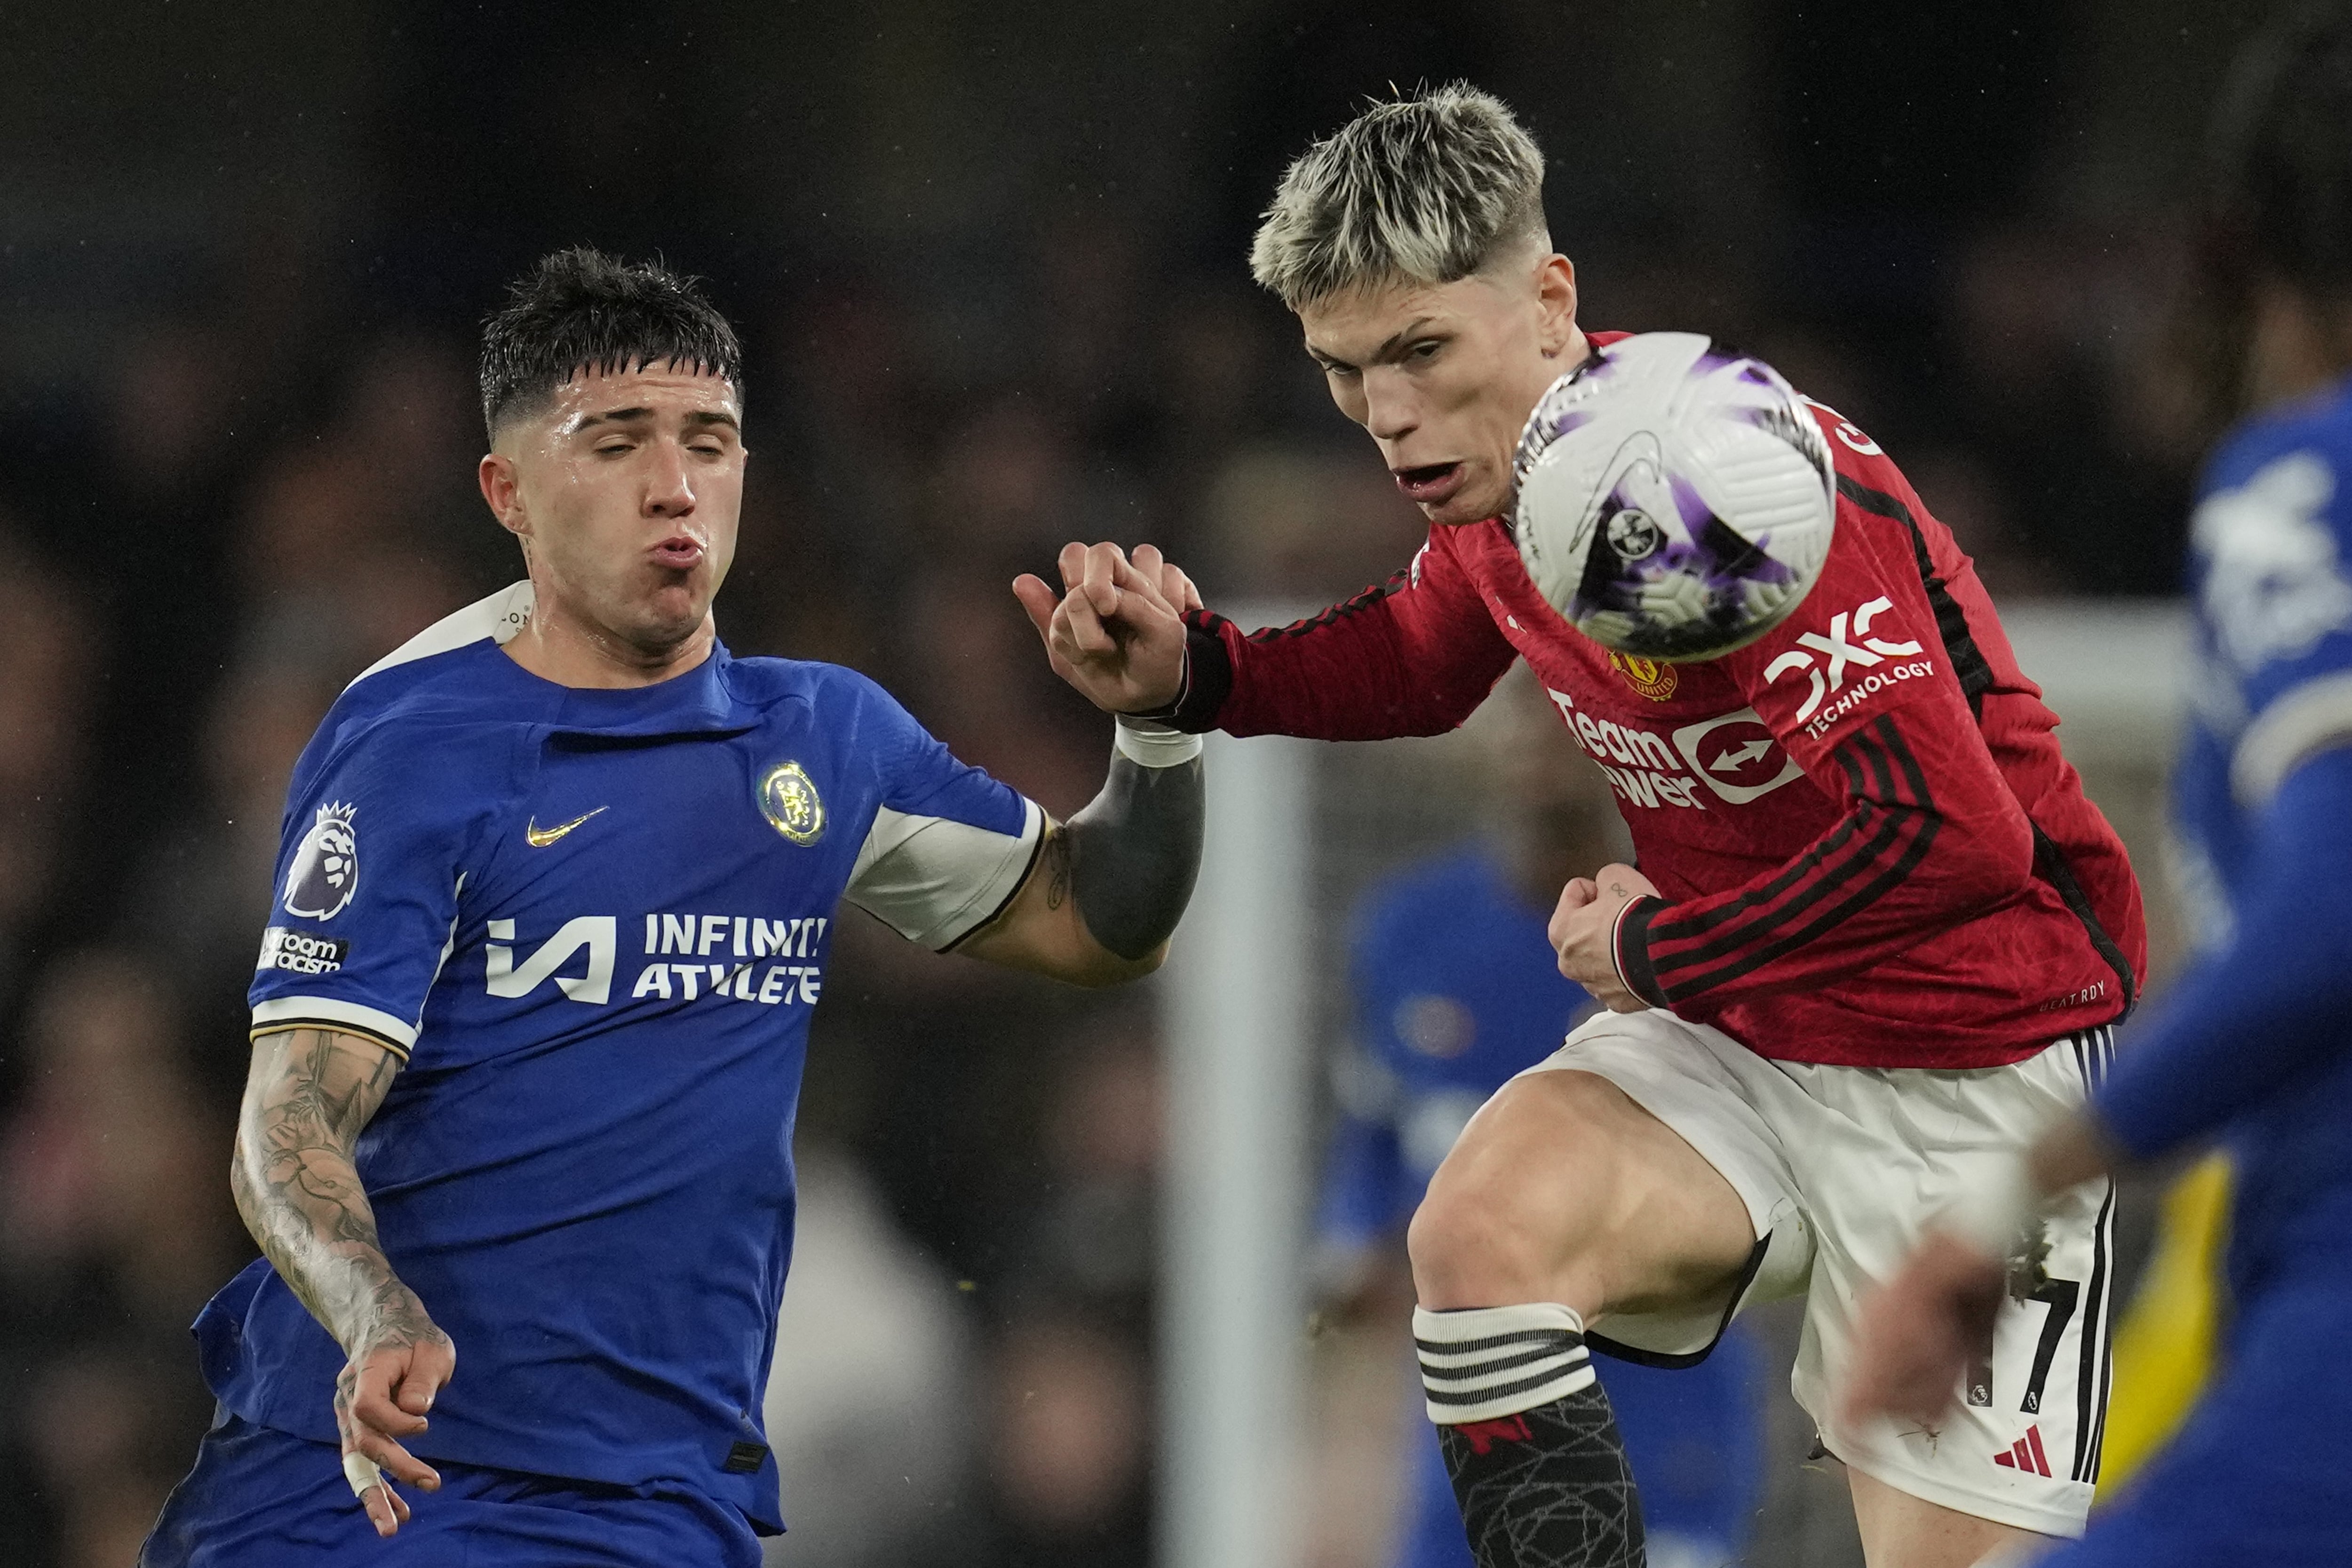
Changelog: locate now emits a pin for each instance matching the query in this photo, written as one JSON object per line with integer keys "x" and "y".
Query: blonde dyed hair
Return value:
{"x": 1423, "y": 189}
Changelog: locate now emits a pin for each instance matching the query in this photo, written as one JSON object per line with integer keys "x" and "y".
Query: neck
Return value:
{"x": 1574, "y": 353}
{"x": 561, "y": 645}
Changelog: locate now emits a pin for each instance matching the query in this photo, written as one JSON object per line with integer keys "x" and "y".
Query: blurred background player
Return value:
{"x": 553, "y": 908}
{"x": 2253, "y": 1045}
{"x": 1872, "y": 951}
{"x": 1455, "y": 991}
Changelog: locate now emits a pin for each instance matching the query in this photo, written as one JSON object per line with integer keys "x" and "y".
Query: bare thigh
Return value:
{"x": 1563, "y": 1189}
{"x": 1899, "y": 1530}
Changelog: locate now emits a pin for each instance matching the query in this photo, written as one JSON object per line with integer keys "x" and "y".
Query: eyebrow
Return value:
{"x": 700, "y": 416}
{"x": 1389, "y": 350}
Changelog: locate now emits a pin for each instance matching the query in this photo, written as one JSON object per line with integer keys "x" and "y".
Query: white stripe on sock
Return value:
{"x": 1504, "y": 1335}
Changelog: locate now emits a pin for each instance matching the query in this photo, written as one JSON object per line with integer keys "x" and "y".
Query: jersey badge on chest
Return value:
{"x": 788, "y": 799}
{"x": 1650, "y": 677}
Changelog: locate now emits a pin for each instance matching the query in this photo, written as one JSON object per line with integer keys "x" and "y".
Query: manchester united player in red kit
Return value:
{"x": 1875, "y": 941}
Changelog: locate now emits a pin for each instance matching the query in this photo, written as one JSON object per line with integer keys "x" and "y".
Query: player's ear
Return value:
{"x": 502, "y": 487}
{"x": 1556, "y": 300}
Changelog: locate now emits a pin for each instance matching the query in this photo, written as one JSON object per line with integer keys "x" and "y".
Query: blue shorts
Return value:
{"x": 2257, "y": 1473}
{"x": 259, "y": 1497}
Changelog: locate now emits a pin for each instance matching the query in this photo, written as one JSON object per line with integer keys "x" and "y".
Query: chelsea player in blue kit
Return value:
{"x": 554, "y": 904}
{"x": 2254, "y": 1045}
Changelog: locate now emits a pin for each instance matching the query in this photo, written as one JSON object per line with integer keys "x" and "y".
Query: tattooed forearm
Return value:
{"x": 310, "y": 1093}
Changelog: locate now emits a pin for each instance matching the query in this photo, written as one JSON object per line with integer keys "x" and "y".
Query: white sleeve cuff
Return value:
{"x": 935, "y": 880}
{"x": 327, "y": 1012}
{"x": 1148, "y": 743}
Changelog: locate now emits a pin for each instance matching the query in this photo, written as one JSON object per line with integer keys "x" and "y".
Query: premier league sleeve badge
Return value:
{"x": 326, "y": 869}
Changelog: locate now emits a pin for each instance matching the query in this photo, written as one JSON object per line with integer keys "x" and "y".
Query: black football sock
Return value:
{"x": 1538, "y": 1468}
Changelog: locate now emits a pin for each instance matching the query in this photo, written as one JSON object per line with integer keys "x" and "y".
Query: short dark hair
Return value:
{"x": 2276, "y": 197}
{"x": 580, "y": 311}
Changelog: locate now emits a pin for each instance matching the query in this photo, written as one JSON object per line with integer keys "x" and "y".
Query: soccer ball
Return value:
{"x": 1674, "y": 500}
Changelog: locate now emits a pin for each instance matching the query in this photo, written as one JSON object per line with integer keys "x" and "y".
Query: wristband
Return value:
{"x": 362, "y": 1473}
{"x": 1151, "y": 745}
{"x": 1638, "y": 979}
{"x": 1992, "y": 1214}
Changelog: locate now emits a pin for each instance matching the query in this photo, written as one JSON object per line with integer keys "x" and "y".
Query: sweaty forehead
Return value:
{"x": 1355, "y": 324}
{"x": 660, "y": 389}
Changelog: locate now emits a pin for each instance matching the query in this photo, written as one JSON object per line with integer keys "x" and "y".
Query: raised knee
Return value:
{"x": 1511, "y": 1216}
{"x": 1471, "y": 1247}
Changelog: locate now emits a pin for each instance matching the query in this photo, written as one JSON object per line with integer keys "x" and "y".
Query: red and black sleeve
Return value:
{"x": 1413, "y": 655}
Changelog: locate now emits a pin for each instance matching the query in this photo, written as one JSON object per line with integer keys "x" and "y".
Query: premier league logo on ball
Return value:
{"x": 326, "y": 869}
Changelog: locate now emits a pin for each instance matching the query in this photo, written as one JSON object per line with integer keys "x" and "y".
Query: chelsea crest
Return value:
{"x": 790, "y": 804}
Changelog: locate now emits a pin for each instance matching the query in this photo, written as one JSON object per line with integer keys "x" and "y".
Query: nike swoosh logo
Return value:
{"x": 541, "y": 837}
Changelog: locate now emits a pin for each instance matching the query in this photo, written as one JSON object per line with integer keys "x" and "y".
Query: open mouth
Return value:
{"x": 1430, "y": 483}
{"x": 680, "y": 551}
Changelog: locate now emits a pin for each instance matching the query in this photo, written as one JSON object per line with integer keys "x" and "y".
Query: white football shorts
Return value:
{"x": 1840, "y": 1167}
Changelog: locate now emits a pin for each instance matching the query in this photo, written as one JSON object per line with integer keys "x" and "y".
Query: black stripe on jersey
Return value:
{"x": 1815, "y": 874}
{"x": 332, "y": 1026}
{"x": 1951, "y": 621}
{"x": 2091, "y": 1382}
{"x": 2050, "y": 865}
{"x": 1924, "y": 824}
{"x": 1975, "y": 677}
{"x": 1925, "y": 831}
{"x": 1793, "y": 873}
{"x": 1373, "y": 595}
{"x": 1208, "y": 666}
{"x": 1881, "y": 749}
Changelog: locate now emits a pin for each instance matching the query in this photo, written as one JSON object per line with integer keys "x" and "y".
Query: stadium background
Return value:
{"x": 988, "y": 264}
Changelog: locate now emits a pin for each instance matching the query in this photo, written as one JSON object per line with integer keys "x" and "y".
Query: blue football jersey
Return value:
{"x": 594, "y": 924}
{"x": 2271, "y": 569}
{"x": 1455, "y": 987}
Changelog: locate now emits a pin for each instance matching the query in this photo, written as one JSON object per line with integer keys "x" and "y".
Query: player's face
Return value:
{"x": 1444, "y": 377}
{"x": 627, "y": 492}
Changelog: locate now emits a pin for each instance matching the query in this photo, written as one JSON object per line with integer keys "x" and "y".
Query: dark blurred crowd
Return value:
{"x": 263, "y": 481}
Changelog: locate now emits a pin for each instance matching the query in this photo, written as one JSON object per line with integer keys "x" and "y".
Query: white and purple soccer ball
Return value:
{"x": 1675, "y": 501}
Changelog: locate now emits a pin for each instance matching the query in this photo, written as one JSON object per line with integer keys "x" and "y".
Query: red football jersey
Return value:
{"x": 1871, "y": 850}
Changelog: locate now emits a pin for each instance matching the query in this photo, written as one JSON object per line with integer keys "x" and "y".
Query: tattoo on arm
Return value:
{"x": 310, "y": 1093}
{"x": 1058, "y": 867}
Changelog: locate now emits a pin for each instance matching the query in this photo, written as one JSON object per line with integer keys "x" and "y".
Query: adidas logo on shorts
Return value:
{"x": 2026, "y": 1454}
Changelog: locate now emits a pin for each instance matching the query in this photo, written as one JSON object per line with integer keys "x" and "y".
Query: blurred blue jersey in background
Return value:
{"x": 1456, "y": 990}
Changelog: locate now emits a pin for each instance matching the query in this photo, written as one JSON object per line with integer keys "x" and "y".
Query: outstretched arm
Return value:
{"x": 307, "y": 1095}
{"x": 1413, "y": 655}
{"x": 1110, "y": 884}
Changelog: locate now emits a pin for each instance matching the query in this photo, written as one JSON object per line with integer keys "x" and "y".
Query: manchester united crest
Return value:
{"x": 790, "y": 804}
{"x": 1652, "y": 677}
